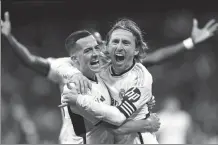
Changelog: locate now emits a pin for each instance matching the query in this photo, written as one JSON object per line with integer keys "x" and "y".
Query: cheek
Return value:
{"x": 130, "y": 50}
{"x": 84, "y": 59}
{"x": 110, "y": 48}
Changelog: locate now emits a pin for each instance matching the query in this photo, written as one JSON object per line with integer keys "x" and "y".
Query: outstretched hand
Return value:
{"x": 199, "y": 35}
{"x": 6, "y": 25}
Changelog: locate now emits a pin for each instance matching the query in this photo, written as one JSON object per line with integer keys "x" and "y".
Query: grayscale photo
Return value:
{"x": 109, "y": 72}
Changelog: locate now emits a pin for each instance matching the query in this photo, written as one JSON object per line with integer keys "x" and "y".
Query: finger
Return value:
{"x": 195, "y": 22}
{"x": 156, "y": 116}
{"x": 64, "y": 100}
{"x": 86, "y": 86}
{"x": 82, "y": 86}
{"x": 77, "y": 84}
{"x": 89, "y": 85}
{"x": 7, "y": 16}
{"x": 64, "y": 97}
{"x": 213, "y": 28}
{"x": 209, "y": 24}
{"x": 71, "y": 85}
{"x": 62, "y": 105}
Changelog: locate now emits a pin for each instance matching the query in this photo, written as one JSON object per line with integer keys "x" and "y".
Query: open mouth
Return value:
{"x": 119, "y": 57}
{"x": 94, "y": 62}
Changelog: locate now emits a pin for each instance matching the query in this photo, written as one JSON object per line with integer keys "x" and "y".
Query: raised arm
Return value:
{"x": 197, "y": 36}
{"x": 36, "y": 63}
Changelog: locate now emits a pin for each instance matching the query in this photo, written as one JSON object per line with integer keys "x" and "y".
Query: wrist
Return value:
{"x": 80, "y": 99}
{"x": 189, "y": 43}
{"x": 148, "y": 125}
{"x": 9, "y": 36}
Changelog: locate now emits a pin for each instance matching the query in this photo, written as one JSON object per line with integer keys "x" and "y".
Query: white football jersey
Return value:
{"x": 131, "y": 90}
{"x": 95, "y": 133}
{"x": 61, "y": 72}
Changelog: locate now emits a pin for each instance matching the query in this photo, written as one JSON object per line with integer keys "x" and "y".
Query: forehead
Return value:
{"x": 87, "y": 42}
{"x": 121, "y": 33}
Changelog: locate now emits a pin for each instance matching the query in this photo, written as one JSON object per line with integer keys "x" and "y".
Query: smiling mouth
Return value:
{"x": 119, "y": 57}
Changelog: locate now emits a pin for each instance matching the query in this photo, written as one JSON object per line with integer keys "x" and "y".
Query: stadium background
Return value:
{"x": 43, "y": 26}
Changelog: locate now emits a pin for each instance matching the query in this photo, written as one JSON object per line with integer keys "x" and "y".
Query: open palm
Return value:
{"x": 200, "y": 35}
{"x": 6, "y": 25}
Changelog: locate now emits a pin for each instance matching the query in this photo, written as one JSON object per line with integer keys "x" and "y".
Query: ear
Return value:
{"x": 74, "y": 59}
{"x": 136, "y": 51}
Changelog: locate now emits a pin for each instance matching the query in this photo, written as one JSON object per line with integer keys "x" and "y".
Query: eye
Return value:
{"x": 126, "y": 42}
{"x": 97, "y": 47}
{"x": 87, "y": 50}
{"x": 115, "y": 41}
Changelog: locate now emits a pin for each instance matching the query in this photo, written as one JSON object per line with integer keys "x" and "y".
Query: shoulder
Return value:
{"x": 58, "y": 61}
{"x": 62, "y": 68}
{"x": 143, "y": 76}
{"x": 105, "y": 71}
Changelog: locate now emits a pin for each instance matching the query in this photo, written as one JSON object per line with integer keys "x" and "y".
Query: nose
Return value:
{"x": 120, "y": 46}
{"x": 94, "y": 52}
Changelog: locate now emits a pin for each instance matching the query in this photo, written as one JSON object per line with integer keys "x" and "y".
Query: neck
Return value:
{"x": 122, "y": 70}
{"x": 90, "y": 75}
{"x": 87, "y": 73}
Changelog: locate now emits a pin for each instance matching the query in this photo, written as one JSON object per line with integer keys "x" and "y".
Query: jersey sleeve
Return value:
{"x": 74, "y": 108}
{"x": 61, "y": 70}
{"x": 100, "y": 110}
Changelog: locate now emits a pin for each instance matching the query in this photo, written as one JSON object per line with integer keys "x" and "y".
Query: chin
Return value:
{"x": 95, "y": 70}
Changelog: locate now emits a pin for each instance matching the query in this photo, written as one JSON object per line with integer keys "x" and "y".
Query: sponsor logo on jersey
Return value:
{"x": 133, "y": 94}
{"x": 99, "y": 99}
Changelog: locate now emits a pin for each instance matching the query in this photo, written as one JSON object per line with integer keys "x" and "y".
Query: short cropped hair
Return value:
{"x": 129, "y": 25}
{"x": 70, "y": 42}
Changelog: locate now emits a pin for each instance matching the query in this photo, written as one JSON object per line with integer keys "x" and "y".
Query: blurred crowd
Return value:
{"x": 185, "y": 86}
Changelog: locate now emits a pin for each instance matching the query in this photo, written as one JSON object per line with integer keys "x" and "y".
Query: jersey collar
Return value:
{"x": 93, "y": 80}
{"x": 114, "y": 74}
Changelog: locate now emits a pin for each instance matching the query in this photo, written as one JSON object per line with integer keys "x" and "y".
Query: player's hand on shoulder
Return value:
{"x": 69, "y": 95}
{"x": 154, "y": 122}
{"x": 82, "y": 84}
{"x": 6, "y": 25}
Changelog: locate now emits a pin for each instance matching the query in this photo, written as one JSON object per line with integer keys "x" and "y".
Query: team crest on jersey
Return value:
{"x": 121, "y": 93}
{"x": 133, "y": 94}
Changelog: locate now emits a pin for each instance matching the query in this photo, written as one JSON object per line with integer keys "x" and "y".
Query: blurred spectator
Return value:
{"x": 22, "y": 129}
{"x": 175, "y": 123}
